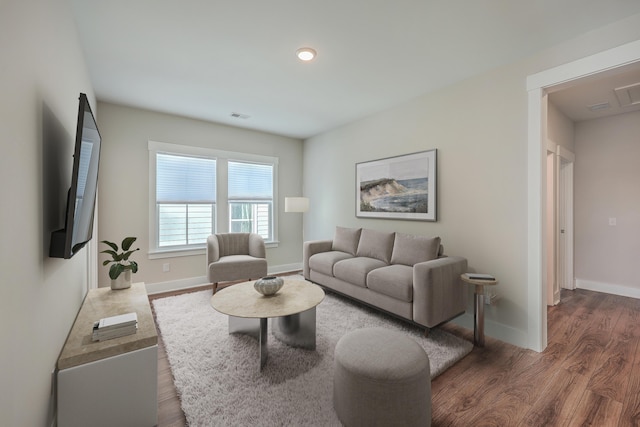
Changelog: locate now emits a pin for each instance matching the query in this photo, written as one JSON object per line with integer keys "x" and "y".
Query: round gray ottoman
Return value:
{"x": 381, "y": 378}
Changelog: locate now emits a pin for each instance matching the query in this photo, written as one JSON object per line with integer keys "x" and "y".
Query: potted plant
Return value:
{"x": 120, "y": 271}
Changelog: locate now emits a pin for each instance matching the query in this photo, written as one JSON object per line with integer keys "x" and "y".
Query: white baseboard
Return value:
{"x": 285, "y": 268}
{"x": 192, "y": 282}
{"x": 176, "y": 285}
{"x": 608, "y": 288}
{"x": 495, "y": 330}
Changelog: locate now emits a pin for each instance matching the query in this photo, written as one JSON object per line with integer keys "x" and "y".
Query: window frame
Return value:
{"x": 221, "y": 212}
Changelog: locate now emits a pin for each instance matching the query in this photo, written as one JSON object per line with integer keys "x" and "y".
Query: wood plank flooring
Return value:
{"x": 589, "y": 375}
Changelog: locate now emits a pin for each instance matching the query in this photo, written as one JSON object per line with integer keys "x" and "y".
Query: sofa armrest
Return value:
{"x": 438, "y": 292}
{"x": 311, "y": 248}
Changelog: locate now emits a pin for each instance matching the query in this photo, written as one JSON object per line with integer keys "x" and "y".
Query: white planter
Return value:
{"x": 123, "y": 281}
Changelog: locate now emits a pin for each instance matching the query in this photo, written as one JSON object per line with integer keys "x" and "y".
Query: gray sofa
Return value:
{"x": 402, "y": 274}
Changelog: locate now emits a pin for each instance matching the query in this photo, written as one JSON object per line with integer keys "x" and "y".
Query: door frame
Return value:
{"x": 559, "y": 220}
{"x": 551, "y": 224}
{"x": 565, "y": 267}
{"x": 538, "y": 86}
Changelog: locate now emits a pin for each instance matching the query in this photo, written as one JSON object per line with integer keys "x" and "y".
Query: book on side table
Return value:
{"x": 115, "y": 326}
{"x": 480, "y": 276}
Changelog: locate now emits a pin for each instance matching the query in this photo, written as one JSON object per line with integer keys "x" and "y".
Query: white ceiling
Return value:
{"x": 209, "y": 58}
{"x": 600, "y": 89}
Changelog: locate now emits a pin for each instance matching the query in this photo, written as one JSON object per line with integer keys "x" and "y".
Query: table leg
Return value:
{"x": 254, "y": 327}
{"x": 296, "y": 330}
{"x": 478, "y": 327}
{"x": 264, "y": 352}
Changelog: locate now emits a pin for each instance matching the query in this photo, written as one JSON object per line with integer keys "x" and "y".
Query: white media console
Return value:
{"x": 112, "y": 382}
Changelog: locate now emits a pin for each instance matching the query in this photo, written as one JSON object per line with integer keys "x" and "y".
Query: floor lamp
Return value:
{"x": 296, "y": 204}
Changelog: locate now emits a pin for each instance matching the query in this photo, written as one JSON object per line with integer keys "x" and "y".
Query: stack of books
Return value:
{"x": 115, "y": 327}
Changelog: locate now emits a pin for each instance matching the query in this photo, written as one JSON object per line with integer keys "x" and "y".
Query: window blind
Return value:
{"x": 250, "y": 181}
{"x": 185, "y": 179}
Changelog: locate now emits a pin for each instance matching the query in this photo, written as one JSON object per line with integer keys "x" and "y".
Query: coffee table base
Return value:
{"x": 296, "y": 330}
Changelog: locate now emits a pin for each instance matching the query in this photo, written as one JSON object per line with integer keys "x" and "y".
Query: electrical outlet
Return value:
{"x": 491, "y": 298}
{"x": 166, "y": 267}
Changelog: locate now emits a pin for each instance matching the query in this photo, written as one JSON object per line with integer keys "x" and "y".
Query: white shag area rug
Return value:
{"x": 218, "y": 378}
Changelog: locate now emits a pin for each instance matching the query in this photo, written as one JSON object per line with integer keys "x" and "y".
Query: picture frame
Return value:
{"x": 400, "y": 187}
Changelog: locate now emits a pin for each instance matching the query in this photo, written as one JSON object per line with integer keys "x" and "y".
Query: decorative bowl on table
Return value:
{"x": 268, "y": 285}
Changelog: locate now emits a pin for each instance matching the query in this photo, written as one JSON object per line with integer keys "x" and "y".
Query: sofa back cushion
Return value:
{"x": 346, "y": 240}
{"x": 376, "y": 244}
{"x": 409, "y": 249}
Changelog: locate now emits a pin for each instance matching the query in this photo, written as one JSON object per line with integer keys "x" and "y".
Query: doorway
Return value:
{"x": 565, "y": 229}
{"x": 559, "y": 221}
{"x": 537, "y": 87}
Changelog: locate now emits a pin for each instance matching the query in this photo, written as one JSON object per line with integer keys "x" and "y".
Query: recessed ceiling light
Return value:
{"x": 306, "y": 54}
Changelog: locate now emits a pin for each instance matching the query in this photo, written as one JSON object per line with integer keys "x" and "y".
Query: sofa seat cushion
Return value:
{"x": 395, "y": 281}
{"x": 355, "y": 270}
{"x": 323, "y": 262}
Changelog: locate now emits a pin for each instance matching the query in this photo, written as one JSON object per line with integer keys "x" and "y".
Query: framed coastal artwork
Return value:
{"x": 401, "y": 187}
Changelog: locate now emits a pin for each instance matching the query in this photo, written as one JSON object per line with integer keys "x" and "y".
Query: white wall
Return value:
{"x": 479, "y": 127}
{"x": 560, "y": 128}
{"x": 124, "y": 184}
{"x": 42, "y": 64}
{"x": 606, "y": 186}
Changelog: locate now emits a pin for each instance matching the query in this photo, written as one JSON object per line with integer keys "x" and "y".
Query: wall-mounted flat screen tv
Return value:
{"x": 81, "y": 199}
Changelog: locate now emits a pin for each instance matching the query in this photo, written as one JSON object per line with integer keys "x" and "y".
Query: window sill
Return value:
{"x": 173, "y": 253}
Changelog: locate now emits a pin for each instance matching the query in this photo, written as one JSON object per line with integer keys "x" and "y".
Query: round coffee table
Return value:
{"x": 292, "y": 310}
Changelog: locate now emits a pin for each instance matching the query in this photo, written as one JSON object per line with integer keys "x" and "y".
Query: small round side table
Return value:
{"x": 478, "y": 309}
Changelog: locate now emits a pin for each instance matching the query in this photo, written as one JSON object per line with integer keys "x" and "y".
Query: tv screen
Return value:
{"x": 81, "y": 199}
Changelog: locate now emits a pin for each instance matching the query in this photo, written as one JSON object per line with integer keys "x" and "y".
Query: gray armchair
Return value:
{"x": 235, "y": 256}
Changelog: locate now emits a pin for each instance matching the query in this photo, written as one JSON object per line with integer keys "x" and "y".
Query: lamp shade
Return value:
{"x": 296, "y": 204}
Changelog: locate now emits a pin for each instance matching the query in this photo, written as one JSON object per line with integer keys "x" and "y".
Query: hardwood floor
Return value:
{"x": 589, "y": 375}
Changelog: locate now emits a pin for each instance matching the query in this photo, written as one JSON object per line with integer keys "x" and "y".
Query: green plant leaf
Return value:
{"x": 134, "y": 267}
{"x": 112, "y": 253}
{"x": 111, "y": 245}
{"x": 106, "y": 262}
{"x": 126, "y": 255}
{"x": 115, "y": 271}
{"x": 127, "y": 242}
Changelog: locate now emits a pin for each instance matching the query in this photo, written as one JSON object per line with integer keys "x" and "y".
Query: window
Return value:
{"x": 185, "y": 199}
{"x": 195, "y": 192}
{"x": 250, "y": 196}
